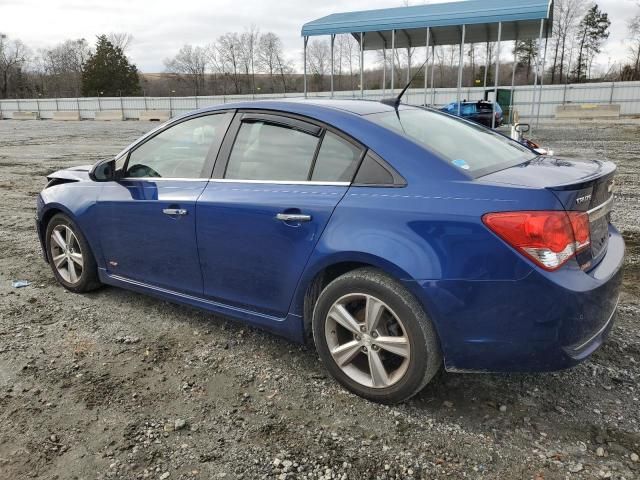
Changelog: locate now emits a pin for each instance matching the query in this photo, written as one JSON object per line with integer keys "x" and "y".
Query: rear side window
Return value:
{"x": 337, "y": 160}
{"x": 472, "y": 148}
{"x": 263, "y": 151}
{"x": 468, "y": 109}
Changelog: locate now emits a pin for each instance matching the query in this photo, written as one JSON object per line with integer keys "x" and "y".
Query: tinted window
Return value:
{"x": 371, "y": 172}
{"x": 180, "y": 151}
{"x": 467, "y": 109}
{"x": 269, "y": 152}
{"x": 337, "y": 160}
{"x": 472, "y": 148}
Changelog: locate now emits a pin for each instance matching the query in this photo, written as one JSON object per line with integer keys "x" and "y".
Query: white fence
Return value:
{"x": 625, "y": 94}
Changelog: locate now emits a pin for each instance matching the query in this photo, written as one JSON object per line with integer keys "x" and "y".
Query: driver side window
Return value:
{"x": 180, "y": 151}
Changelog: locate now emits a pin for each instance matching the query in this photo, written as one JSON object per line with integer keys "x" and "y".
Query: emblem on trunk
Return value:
{"x": 585, "y": 199}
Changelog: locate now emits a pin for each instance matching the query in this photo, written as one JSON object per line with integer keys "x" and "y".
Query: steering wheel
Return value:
{"x": 138, "y": 171}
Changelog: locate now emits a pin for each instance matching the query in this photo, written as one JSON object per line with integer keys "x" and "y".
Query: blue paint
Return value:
{"x": 492, "y": 308}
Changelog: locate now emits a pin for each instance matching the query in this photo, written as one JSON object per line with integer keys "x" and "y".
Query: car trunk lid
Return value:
{"x": 579, "y": 185}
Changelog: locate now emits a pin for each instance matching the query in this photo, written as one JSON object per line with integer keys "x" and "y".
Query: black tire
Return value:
{"x": 425, "y": 359}
{"x": 88, "y": 278}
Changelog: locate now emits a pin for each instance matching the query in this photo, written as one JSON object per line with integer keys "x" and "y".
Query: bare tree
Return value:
{"x": 249, "y": 48}
{"x": 567, "y": 15}
{"x": 121, "y": 40}
{"x": 347, "y": 58}
{"x": 634, "y": 46}
{"x": 228, "y": 50}
{"x": 319, "y": 58}
{"x": 63, "y": 65}
{"x": 13, "y": 57}
{"x": 190, "y": 63}
{"x": 271, "y": 60}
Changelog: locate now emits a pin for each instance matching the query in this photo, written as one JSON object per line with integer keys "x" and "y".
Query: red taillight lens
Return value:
{"x": 548, "y": 238}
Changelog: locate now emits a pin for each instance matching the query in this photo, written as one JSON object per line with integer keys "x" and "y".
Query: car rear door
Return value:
{"x": 276, "y": 183}
{"x": 147, "y": 218}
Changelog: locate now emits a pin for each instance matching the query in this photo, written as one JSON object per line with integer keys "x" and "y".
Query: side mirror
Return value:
{"x": 523, "y": 127}
{"x": 103, "y": 171}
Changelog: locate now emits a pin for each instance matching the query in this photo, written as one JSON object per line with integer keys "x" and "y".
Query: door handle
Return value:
{"x": 174, "y": 211}
{"x": 293, "y": 217}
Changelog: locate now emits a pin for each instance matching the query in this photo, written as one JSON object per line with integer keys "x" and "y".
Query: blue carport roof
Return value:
{"x": 520, "y": 20}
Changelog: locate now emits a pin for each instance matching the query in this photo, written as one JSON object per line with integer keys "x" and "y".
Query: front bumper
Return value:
{"x": 544, "y": 322}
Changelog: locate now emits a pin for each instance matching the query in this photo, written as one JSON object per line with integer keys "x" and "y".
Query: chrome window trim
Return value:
{"x": 282, "y": 182}
{"x": 164, "y": 179}
{"x": 228, "y": 180}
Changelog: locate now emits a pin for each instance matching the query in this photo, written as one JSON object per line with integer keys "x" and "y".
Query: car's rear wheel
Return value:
{"x": 69, "y": 255}
{"x": 374, "y": 337}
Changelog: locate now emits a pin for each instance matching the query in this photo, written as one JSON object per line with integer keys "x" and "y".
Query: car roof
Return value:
{"x": 354, "y": 106}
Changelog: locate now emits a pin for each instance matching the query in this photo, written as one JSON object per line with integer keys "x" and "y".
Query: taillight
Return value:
{"x": 550, "y": 238}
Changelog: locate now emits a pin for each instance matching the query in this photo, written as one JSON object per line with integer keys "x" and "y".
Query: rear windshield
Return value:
{"x": 474, "y": 149}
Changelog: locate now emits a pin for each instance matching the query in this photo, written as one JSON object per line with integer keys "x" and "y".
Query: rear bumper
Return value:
{"x": 543, "y": 322}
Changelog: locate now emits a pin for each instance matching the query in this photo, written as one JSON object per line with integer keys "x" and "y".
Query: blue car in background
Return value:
{"x": 481, "y": 112}
{"x": 397, "y": 239}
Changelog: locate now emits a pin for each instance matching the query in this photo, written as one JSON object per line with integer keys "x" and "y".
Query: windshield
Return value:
{"x": 474, "y": 149}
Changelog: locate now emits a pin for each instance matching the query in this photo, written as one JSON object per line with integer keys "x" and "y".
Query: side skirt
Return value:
{"x": 290, "y": 326}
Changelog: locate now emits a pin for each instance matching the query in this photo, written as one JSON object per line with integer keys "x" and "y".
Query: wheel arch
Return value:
{"x": 317, "y": 276}
{"x": 50, "y": 211}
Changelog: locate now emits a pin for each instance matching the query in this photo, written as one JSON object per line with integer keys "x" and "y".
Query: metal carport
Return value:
{"x": 453, "y": 23}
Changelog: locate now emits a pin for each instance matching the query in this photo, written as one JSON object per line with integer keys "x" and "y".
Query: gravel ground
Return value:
{"x": 118, "y": 385}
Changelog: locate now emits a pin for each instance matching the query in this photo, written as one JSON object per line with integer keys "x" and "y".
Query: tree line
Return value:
{"x": 252, "y": 62}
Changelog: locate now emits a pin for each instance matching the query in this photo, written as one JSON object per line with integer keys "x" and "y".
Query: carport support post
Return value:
{"x": 361, "y": 65}
{"x": 544, "y": 61}
{"x": 384, "y": 70}
{"x": 535, "y": 76}
{"x": 513, "y": 80}
{"x": 486, "y": 67}
{"x": 306, "y": 41}
{"x": 460, "y": 66}
{"x": 333, "y": 41}
{"x": 426, "y": 67}
{"x": 433, "y": 75}
{"x": 393, "y": 61}
{"x": 495, "y": 89}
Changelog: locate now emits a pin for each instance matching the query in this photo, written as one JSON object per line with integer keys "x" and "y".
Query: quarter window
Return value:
{"x": 180, "y": 151}
{"x": 263, "y": 151}
{"x": 337, "y": 160}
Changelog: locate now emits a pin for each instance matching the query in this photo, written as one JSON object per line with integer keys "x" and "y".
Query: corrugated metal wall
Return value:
{"x": 626, "y": 94}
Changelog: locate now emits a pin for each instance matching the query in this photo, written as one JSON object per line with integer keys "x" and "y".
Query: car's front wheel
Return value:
{"x": 69, "y": 255}
{"x": 374, "y": 337}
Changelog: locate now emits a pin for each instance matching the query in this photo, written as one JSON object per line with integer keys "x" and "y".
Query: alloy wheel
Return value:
{"x": 367, "y": 340}
{"x": 66, "y": 254}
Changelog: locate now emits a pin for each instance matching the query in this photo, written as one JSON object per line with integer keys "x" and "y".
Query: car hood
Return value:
{"x": 74, "y": 174}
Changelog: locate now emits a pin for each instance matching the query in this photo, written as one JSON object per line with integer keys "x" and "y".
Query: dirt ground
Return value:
{"x": 118, "y": 385}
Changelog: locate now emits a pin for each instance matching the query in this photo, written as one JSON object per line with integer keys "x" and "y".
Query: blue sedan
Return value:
{"x": 396, "y": 240}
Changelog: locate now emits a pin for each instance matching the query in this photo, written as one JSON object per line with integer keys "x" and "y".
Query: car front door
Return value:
{"x": 147, "y": 218}
{"x": 275, "y": 186}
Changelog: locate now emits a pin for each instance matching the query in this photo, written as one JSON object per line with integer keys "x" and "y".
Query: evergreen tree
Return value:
{"x": 592, "y": 32}
{"x": 108, "y": 72}
{"x": 526, "y": 51}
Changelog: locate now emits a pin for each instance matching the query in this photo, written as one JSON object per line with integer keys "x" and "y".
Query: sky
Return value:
{"x": 161, "y": 27}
